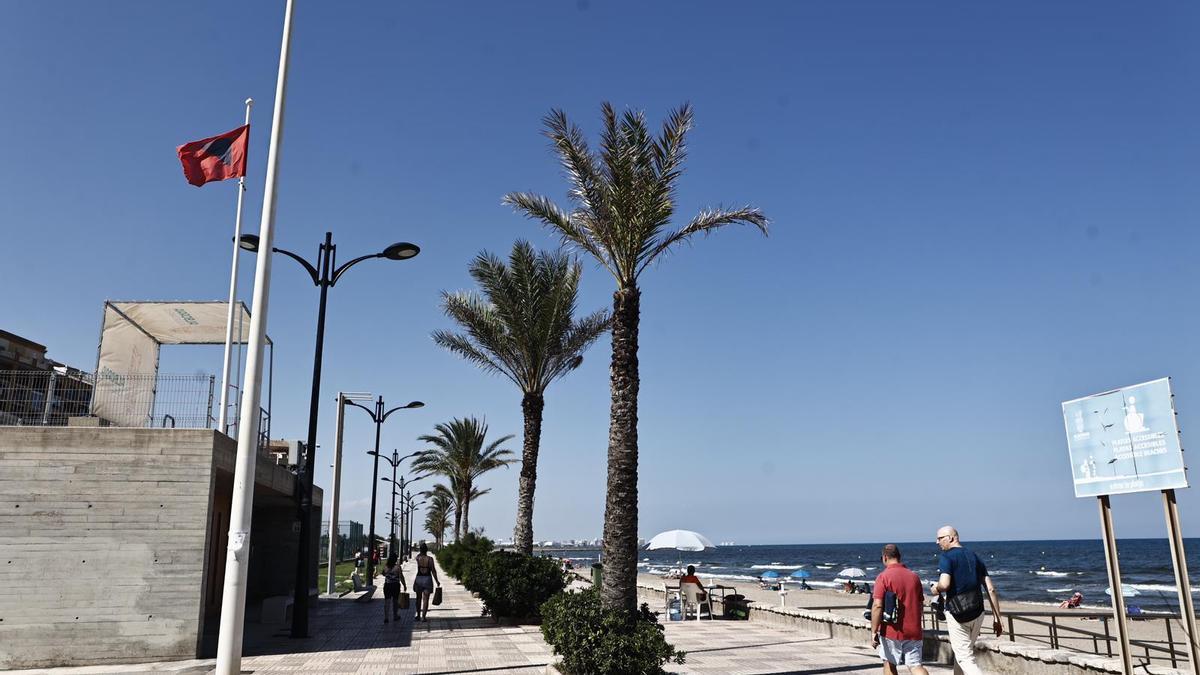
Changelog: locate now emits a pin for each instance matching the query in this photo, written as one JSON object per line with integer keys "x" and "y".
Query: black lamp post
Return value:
{"x": 394, "y": 460}
{"x": 378, "y": 416}
{"x": 402, "y": 482}
{"x": 411, "y": 507}
{"x": 325, "y": 275}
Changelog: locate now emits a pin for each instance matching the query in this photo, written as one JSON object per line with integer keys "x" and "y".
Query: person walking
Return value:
{"x": 423, "y": 582}
{"x": 962, "y": 577}
{"x": 897, "y": 632}
{"x": 393, "y": 581}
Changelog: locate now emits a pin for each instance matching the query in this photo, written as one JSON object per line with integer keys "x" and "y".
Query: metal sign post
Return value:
{"x": 1124, "y": 441}
{"x": 1114, "y": 583}
{"x": 1186, "y": 609}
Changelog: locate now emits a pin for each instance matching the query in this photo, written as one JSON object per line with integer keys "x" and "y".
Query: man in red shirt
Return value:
{"x": 899, "y": 640}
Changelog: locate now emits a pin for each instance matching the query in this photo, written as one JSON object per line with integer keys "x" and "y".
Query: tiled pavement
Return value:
{"x": 737, "y": 648}
{"x": 350, "y": 637}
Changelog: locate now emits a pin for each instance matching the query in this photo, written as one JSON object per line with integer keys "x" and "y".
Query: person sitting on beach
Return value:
{"x": 804, "y": 585}
{"x": 691, "y": 578}
{"x": 1073, "y": 602}
{"x": 848, "y": 587}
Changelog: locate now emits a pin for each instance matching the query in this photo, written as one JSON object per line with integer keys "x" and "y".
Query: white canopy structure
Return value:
{"x": 130, "y": 338}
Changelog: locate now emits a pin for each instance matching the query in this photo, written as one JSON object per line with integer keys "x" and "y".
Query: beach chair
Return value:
{"x": 691, "y": 598}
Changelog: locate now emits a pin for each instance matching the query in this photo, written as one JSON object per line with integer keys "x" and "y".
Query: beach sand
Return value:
{"x": 855, "y": 604}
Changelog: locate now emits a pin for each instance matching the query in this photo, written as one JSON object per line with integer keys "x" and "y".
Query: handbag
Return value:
{"x": 965, "y": 606}
{"x": 437, "y": 596}
{"x": 402, "y": 600}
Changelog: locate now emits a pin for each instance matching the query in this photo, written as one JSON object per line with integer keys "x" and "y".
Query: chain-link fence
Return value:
{"x": 350, "y": 539}
{"x": 52, "y": 398}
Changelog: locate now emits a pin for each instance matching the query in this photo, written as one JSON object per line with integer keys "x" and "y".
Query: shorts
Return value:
{"x": 391, "y": 589}
{"x": 423, "y": 584}
{"x": 900, "y": 652}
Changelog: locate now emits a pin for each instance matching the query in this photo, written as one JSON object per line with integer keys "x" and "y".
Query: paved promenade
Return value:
{"x": 350, "y": 637}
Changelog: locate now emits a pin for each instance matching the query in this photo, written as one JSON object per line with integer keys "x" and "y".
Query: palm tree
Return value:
{"x": 622, "y": 204}
{"x": 523, "y": 327}
{"x": 437, "y": 514}
{"x": 459, "y": 453}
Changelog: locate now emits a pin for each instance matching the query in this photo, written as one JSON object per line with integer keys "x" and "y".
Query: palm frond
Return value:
{"x": 704, "y": 223}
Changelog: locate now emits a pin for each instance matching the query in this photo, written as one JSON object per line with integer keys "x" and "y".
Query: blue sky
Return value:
{"x": 978, "y": 212}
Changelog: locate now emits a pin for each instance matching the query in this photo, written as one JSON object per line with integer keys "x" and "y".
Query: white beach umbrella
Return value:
{"x": 1126, "y": 591}
{"x": 852, "y": 573}
{"x": 680, "y": 540}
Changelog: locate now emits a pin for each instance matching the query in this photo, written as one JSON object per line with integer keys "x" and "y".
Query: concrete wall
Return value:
{"x": 112, "y": 542}
{"x": 103, "y": 535}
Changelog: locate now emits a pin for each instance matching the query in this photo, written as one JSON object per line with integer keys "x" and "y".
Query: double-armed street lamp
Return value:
{"x": 325, "y": 275}
{"x": 407, "y": 507}
{"x": 379, "y": 415}
{"x": 401, "y": 483}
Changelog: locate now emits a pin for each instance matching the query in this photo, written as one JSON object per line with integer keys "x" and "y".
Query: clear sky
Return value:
{"x": 979, "y": 211}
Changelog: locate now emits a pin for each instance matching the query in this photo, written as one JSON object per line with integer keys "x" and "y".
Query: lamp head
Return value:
{"x": 415, "y": 404}
{"x": 248, "y": 242}
{"x": 401, "y": 250}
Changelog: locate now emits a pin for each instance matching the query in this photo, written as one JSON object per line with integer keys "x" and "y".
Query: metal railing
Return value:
{"x": 1047, "y": 627}
{"x": 53, "y": 398}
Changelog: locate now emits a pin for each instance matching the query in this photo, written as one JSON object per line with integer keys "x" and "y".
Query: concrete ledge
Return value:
{"x": 994, "y": 655}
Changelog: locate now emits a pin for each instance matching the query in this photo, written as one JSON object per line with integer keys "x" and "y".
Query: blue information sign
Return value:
{"x": 1125, "y": 440}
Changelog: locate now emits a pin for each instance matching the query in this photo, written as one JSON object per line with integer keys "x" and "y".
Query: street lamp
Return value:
{"x": 327, "y": 276}
{"x": 411, "y": 508}
{"x": 401, "y": 483}
{"x": 395, "y": 461}
{"x": 378, "y": 416}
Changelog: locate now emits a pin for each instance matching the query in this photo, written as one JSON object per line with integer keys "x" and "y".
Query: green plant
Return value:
{"x": 522, "y": 326}
{"x": 515, "y": 585}
{"x": 459, "y": 453}
{"x": 457, "y": 557}
{"x": 622, "y": 206}
{"x": 594, "y": 640}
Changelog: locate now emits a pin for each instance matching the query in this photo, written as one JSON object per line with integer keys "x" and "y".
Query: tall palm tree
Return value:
{"x": 622, "y": 204}
{"x": 523, "y": 327}
{"x": 460, "y": 452}
{"x": 437, "y": 514}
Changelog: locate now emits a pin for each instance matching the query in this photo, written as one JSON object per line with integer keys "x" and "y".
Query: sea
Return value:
{"x": 1040, "y": 572}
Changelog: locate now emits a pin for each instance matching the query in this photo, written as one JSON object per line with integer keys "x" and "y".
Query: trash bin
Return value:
{"x": 597, "y": 574}
{"x": 736, "y": 606}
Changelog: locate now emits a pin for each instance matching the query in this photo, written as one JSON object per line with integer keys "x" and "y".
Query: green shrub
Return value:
{"x": 594, "y": 640}
{"x": 514, "y": 585}
{"x": 456, "y": 558}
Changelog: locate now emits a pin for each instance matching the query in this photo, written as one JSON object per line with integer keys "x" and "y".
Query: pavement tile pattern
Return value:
{"x": 349, "y": 636}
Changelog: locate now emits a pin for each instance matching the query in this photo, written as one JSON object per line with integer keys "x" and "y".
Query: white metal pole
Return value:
{"x": 233, "y": 275}
{"x": 330, "y": 581}
{"x": 233, "y": 598}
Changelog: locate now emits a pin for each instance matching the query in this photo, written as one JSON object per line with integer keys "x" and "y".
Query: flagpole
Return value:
{"x": 237, "y": 559}
{"x": 233, "y": 276}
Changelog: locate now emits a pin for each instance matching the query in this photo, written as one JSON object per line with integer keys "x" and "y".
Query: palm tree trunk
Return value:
{"x": 466, "y": 512}
{"x": 457, "y": 522}
{"x": 531, "y": 406}
{"x": 619, "y": 590}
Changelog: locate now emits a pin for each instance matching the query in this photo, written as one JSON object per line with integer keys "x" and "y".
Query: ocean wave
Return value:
{"x": 1050, "y": 573}
{"x": 826, "y": 567}
{"x": 996, "y": 573}
{"x": 776, "y": 566}
{"x": 1068, "y": 589}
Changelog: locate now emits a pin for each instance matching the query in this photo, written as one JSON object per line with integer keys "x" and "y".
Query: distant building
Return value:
{"x": 35, "y": 389}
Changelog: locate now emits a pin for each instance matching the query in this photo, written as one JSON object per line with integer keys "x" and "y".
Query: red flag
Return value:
{"x": 215, "y": 158}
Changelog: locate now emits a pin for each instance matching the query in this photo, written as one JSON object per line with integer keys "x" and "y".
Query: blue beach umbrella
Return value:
{"x": 770, "y": 574}
{"x": 801, "y": 574}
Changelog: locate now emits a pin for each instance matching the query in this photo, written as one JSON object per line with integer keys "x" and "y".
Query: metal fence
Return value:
{"x": 51, "y": 398}
{"x": 350, "y": 539}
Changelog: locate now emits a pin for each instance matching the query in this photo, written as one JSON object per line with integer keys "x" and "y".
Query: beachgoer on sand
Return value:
{"x": 896, "y": 615}
{"x": 1072, "y": 602}
{"x": 963, "y": 576}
